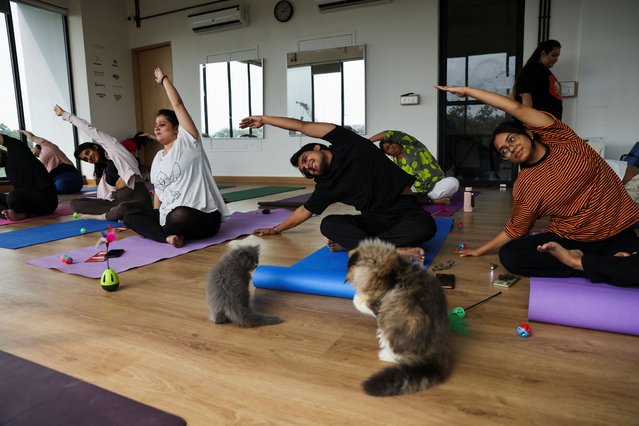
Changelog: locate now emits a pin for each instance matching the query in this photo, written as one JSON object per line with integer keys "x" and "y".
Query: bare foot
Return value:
{"x": 414, "y": 254}
{"x": 570, "y": 258}
{"x": 176, "y": 241}
{"x": 622, "y": 254}
{"x": 13, "y": 215}
{"x": 443, "y": 201}
{"x": 333, "y": 246}
{"x": 92, "y": 216}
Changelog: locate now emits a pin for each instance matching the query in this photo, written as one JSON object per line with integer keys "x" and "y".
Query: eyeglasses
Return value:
{"x": 506, "y": 151}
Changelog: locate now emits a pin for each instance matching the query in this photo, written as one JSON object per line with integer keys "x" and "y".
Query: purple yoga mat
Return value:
{"x": 140, "y": 251}
{"x": 456, "y": 204}
{"x": 577, "y": 302}
{"x": 62, "y": 210}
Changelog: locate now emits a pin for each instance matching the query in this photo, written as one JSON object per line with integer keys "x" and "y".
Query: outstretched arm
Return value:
{"x": 308, "y": 128}
{"x": 527, "y": 115}
{"x": 183, "y": 115}
{"x": 299, "y": 216}
{"x": 35, "y": 139}
{"x": 496, "y": 242}
{"x": 378, "y": 137}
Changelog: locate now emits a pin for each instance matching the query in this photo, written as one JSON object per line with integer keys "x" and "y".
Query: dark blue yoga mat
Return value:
{"x": 57, "y": 231}
{"x": 324, "y": 271}
{"x": 32, "y": 394}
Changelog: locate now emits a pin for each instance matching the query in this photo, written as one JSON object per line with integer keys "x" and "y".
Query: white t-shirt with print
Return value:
{"x": 183, "y": 177}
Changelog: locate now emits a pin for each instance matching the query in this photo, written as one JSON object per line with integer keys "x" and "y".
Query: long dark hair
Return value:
{"x": 99, "y": 167}
{"x": 546, "y": 47}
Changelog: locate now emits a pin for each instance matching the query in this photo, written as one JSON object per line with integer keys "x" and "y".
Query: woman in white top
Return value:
{"x": 188, "y": 203}
{"x": 120, "y": 184}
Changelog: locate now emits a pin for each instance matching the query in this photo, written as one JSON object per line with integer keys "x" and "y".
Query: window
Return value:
{"x": 34, "y": 73}
{"x": 329, "y": 86}
{"x": 231, "y": 91}
{"x": 480, "y": 44}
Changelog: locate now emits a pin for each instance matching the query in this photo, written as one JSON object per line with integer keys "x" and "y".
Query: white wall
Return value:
{"x": 401, "y": 52}
{"x": 599, "y": 45}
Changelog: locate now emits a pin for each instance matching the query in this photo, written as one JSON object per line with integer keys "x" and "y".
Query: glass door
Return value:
{"x": 480, "y": 45}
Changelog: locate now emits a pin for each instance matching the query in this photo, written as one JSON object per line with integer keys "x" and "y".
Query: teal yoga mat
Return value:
{"x": 263, "y": 191}
{"x": 323, "y": 272}
{"x": 57, "y": 231}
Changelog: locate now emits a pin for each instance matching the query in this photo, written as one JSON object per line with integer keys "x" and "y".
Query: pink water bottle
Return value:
{"x": 468, "y": 199}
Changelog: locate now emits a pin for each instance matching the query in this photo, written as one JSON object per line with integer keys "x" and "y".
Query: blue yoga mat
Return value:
{"x": 323, "y": 272}
{"x": 57, "y": 231}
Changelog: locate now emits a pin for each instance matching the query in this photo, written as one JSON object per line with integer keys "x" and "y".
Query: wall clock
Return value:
{"x": 283, "y": 10}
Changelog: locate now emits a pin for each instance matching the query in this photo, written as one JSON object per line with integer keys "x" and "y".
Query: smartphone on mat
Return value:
{"x": 114, "y": 253}
{"x": 447, "y": 280}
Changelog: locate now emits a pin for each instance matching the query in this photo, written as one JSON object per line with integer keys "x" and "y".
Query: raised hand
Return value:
{"x": 254, "y": 122}
{"x": 159, "y": 75}
{"x": 455, "y": 90}
{"x": 58, "y": 111}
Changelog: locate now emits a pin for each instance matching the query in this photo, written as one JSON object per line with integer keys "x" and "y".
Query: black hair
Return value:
{"x": 99, "y": 167}
{"x": 170, "y": 115}
{"x": 140, "y": 139}
{"x": 546, "y": 46}
{"x": 308, "y": 147}
{"x": 511, "y": 127}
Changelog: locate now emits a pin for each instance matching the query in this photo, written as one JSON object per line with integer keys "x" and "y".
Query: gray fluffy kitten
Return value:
{"x": 412, "y": 318}
{"x": 227, "y": 289}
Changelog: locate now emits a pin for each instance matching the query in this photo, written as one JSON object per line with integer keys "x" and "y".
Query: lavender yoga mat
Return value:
{"x": 456, "y": 204}
{"x": 577, "y": 302}
{"x": 62, "y": 210}
{"x": 140, "y": 251}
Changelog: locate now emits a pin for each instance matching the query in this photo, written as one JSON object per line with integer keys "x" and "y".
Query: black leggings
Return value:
{"x": 125, "y": 199}
{"x": 192, "y": 224}
{"x": 520, "y": 256}
{"x": 30, "y": 202}
{"x": 404, "y": 224}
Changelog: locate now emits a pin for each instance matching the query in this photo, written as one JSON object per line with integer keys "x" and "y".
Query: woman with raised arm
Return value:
{"x": 564, "y": 179}
{"x": 188, "y": 203}
{"x": 120, "y": 184}
{"x": 67, "y": 178}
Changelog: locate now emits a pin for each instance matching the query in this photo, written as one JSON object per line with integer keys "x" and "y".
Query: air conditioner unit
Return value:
{"x": 331, "y": 5}
{"x": 219, "y": 19}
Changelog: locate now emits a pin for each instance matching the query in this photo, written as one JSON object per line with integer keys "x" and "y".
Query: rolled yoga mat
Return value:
{"x": 32, "y": 394}
{"x": 323, "y": 272}
{"x": 286, "y": 202}
{"x": 577, "y": 302}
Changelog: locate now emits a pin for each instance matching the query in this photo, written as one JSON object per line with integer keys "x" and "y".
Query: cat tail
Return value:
{"x": 405, "y": 378}
{"x": 244, "y": 316}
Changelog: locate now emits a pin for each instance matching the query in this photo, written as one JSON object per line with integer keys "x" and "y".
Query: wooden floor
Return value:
{"x": 151, "y": 341}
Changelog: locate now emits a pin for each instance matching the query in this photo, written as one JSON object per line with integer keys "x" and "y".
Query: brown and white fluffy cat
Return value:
{"x": 412, "y": 318}
{"x": 227, "y": 289}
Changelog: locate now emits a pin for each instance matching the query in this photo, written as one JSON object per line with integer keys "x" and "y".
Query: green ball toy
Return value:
{"x": 109, "y": 280}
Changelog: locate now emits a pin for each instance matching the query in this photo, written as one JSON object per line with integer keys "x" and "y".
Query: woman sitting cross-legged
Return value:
{"x": 564, "y": 179}
{"x": 120, "y": 184}
{"x": 188, "y": 203}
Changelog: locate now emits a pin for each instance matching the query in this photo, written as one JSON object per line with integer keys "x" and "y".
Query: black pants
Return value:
{"x": 190, "y": 223}
{"x": 30, "y": 202}
{"x": 520, "y": 256}
{"x": 125, "y": 199}
{"x": 404, "y": 224}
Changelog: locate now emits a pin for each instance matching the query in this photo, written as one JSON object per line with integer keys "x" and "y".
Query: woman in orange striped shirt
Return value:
{"x": 564, "y": 179}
